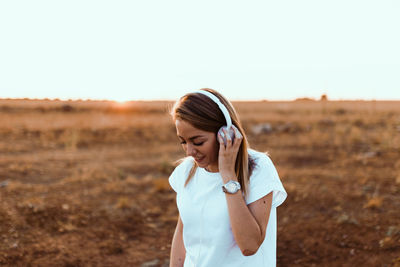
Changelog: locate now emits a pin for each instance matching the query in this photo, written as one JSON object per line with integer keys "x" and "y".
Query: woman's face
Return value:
{"x": 199, "y": 144}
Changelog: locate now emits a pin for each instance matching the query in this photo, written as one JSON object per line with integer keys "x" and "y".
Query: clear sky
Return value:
{"x": 129, "y": 50}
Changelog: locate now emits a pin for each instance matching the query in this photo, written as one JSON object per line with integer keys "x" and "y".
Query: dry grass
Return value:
{"x": 85, "y": 183}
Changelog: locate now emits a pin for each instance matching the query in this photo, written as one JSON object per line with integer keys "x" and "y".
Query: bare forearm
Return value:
{"x": 178, "y": 251}
{"x": 177, "y": 255}
{"x": 245, "y": 228}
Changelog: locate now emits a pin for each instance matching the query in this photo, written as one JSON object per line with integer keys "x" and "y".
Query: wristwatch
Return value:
{"x": 231, "y": 187}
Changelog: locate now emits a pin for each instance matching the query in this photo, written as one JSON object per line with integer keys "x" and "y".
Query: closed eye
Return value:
{"x": 196, "y": 144}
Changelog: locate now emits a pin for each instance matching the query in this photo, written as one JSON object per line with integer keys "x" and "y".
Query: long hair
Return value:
{"x": 203, "y": 113}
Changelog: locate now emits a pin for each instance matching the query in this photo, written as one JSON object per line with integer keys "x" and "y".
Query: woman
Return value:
{"x": 227, "y": 193}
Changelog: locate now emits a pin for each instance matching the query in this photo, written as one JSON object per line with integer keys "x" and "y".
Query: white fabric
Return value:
{"x": 207, "y": 233}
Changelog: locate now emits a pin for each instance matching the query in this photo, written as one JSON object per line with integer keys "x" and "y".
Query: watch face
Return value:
{"x": 231, "y": 187}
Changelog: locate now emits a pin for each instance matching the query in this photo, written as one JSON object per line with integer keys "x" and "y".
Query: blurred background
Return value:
{"x": 87, "y": 144}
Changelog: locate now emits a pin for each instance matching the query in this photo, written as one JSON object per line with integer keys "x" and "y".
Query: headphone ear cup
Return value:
{"x": 236, "y": 132}
{"x": 230, "y": 131}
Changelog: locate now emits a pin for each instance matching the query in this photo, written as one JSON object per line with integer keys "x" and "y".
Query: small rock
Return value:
{"x": 373, "y": 203}
{"x": 264, "y": 128}
{"x": 152, "y": 263}
{"x": 367, "y": 188}
{"x": 393, "y": 230}
{"x": 4, "y": 183}
{"x": 368, "y": 155}
{"x": 337, "y": 208}
{"x": 344, "y": 218}
{"x": 387, "y": 242}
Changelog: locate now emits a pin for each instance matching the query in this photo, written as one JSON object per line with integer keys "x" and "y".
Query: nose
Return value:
{"x": 190, "y": 150}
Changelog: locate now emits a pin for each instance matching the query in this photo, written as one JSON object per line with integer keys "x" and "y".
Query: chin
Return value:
{"x": 202, "y": 165}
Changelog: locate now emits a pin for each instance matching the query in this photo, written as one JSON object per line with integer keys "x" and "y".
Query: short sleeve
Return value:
{"x": 264, "y": 180}
{"x": 178, "y": 176}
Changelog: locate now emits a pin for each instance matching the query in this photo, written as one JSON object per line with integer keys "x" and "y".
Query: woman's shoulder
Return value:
{"x": 183, "y": 164}
{"x": 180, "y": 173}
{"x": 259, "y": 158}
{"x": 265, "y": 179}
{"x": 262, "y": 164}
{"x": 185, "y": 161}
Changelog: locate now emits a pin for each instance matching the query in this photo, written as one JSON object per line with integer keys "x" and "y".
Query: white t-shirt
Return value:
{"x": 207, "y": 232}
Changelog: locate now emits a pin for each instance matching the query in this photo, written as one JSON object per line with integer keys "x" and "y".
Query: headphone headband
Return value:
{"x": 220, "y": 105}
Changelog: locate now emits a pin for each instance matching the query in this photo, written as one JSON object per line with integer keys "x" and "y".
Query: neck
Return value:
{"x": 212, "y": 168}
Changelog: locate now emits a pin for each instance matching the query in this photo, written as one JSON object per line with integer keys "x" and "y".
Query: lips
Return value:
{"x": 199, "y": 159}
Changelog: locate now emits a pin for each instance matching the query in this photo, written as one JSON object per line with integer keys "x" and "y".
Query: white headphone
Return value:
{"x": 220, "y": 105}
{"x": 228, "y": 127}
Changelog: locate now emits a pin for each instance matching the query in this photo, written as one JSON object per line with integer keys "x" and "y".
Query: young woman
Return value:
{"x": 227, "y": 193}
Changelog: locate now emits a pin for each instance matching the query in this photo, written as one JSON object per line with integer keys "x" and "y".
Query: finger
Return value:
{"x": 237, "y": 132}
{"x": 238, "y": 137}
{"x": 228, "y": 138}
{"x": 221, "y": 142}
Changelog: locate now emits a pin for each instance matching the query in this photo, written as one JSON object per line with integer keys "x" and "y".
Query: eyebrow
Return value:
{"x": 193, "y": 137}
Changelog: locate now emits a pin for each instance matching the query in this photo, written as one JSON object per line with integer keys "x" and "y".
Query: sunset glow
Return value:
{"x": 138, "y": 50}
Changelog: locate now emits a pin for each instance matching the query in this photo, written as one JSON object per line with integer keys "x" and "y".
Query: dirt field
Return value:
{"x": 85, "y": 183}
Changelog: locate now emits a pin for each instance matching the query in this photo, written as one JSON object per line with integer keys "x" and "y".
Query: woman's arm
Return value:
{"x": 248, "y": 223}
{"x": 178, "y": 251}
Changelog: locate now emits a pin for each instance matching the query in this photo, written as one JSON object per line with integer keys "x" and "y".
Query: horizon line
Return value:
{"x": 168, "y": 100}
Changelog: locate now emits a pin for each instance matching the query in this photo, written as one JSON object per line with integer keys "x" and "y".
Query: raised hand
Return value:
{"x": 227, "y": 154}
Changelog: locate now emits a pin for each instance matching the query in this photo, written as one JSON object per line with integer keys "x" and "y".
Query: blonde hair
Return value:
{"x": 203, "y": 113}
